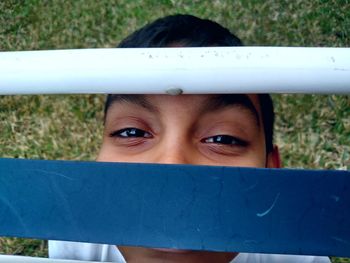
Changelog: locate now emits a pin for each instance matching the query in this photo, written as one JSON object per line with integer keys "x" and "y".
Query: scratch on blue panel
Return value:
{"x": 335, "y": 198}
{"x": 14, "y": 212}
{"x": 251, "y": 187}
{"x": 341, "y": 240}
{"x": 53, "y": 173}
{"x": 271, "y": 207}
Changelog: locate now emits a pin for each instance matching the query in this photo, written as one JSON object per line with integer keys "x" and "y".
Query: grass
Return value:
{"x": 312, "y": 131}
{"x": 21, "y": 246}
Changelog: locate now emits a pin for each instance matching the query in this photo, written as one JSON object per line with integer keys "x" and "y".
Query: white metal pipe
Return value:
{"x": 177, "y": 70}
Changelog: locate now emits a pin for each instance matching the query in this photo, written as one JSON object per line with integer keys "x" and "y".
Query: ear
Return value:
{"x": 273, "y": 158}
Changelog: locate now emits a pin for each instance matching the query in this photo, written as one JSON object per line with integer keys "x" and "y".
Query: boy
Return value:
{"x": 230, "y": 130}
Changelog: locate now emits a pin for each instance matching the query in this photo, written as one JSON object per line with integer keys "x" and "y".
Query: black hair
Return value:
{"x": 190, "y": 31}
{"x": 182, "y": 30}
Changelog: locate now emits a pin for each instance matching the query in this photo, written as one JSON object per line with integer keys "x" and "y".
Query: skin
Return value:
{"x": 181, "y": 130}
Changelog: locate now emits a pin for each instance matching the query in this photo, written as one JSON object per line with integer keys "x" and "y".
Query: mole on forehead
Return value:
{"x": 213, "y": 102}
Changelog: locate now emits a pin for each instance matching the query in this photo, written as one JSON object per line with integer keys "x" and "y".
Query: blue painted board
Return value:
{"x": 177, "y": 206}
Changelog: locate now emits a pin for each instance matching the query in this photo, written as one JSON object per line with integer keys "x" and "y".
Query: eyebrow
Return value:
{"x": 216, "y": 102}
{"x": 139, "y": 100}
{"x": 221, "y": 101}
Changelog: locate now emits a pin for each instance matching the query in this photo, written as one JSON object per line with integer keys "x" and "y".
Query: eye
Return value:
{"x": 225, "y": 140}
{"x": 131, "y": 133}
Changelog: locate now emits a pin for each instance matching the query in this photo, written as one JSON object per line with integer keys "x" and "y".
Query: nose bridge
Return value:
{"x": 174, "y": 150}
{"x": 174, "y": 157}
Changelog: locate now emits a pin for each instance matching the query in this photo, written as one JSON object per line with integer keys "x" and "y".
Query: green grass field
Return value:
{"x": 312, "y": 131}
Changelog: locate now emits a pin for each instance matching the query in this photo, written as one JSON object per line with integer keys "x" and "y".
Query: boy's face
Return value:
{"x": 187, "y": 129}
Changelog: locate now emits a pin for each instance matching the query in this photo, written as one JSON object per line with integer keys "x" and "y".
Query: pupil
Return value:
{"x": 135, "y": 132}
{"x": 223, "y": 139}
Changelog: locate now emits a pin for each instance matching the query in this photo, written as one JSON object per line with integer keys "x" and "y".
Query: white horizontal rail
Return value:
{"x": 23, "y": 259}
{"x": 177, "y": 70}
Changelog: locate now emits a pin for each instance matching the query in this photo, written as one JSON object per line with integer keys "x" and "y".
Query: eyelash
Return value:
{"x": 217, "y": 139}
{"x": 131, "y": 133}
{"x": 225, "y": 140}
